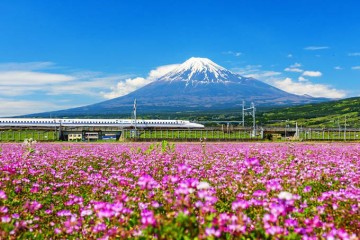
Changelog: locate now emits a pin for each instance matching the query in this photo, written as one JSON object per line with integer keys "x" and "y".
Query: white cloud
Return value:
{"x": 354, "y": 54}
{"x": 356, "y": 68}
{"x": 312, "y": 73}
{"x": 312, "y": 89}
{"x": 162, "y": 70}
{"x": 262, "y": 75}
{"x": 25, "y": 66}
{"x": 338, "y": 68}
{"x": 14, "y": 91}
{"x": 294, "y": 68}
{"x": 302, "y": 79}
{"x": 248, "y": 69}
{"x": 289, "y": 55}
{"x": 131, "y": 84}
{"x": 26, "y": 79}
{"x": 20, "y": 107}
{"x": 13, "y": 78}
{"x": 295, "y": 65}
{"x": 125, "y": 87}
{"x": 300, "y": 87}
{"x": 236, "y": 54}
{"x": 255, "y": 71}
{"x": 314, "y": 48}
{"x": 18, "y": 79}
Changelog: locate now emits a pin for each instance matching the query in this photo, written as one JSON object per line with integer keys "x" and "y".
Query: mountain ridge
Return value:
{"x": 197, "y": 84}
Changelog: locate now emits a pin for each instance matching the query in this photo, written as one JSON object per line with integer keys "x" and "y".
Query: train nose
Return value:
{"x": 197, "y": 125}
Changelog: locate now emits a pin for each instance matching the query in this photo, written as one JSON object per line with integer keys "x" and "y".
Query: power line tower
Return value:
{"x": 252, "y": 110}
{"x": 134, "y": 132}
{"x": 243, "y": 113}
{"x": 253, "y": 115}
{"x": 135, "y": 114}
{"x": 345, "y": 129}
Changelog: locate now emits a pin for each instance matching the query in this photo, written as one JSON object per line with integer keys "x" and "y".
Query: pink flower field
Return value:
{"x": 182, "y": 191}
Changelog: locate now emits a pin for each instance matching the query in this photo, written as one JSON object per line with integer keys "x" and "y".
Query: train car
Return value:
{"x": 122, "y": 123}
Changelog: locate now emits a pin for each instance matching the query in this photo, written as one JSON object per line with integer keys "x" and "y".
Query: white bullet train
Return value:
{"x": 123, "y": 123}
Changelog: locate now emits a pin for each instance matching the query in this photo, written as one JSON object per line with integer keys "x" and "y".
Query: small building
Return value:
{"x": 91, "y": 136}
{"x": 75, "y": 137}
{"x": 108, "y": 136}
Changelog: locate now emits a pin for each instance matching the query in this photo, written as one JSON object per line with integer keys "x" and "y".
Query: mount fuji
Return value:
{"x": 197, "y": 84}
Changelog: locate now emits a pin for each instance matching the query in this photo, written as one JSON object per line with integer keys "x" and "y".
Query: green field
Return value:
{"x": 21, "y": 135}
{"x": 194, "y": 135}
{"x": 191, "y": 134}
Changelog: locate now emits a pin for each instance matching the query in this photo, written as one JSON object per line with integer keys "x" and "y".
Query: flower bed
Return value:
{"x": 185, "y": 191}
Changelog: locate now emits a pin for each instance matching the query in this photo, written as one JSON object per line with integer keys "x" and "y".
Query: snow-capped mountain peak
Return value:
{"x": 199, "y": 65}
{"x": 199, "y": 71}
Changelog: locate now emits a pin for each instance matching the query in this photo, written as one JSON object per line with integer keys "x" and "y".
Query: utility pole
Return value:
{"x": 135, "y": 116}
{"x": 345, "y": 129}
{"x": 253, "y": 113}
{"x": 339, "y": 127}
{"x": 252, "y": 107}
{"x": 243, "y": 113}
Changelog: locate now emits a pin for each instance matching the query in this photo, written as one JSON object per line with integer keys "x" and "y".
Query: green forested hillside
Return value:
{"x": 329, "y": 114}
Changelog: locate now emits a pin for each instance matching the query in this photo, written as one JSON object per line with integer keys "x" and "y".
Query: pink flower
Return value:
{"x": 212, "y": 232}
{"x": 86, "y": 212}
{"x": 155, "y": 204}
{"x": 259, "y": 193}
{"x": 147, "y": 182}
{"x": 147, "y": 217}
{"x": 307, "y": 189}
{"x": 63, "y": 213}
{"x": 243, "y": 204}
{"x": 99, "y": 228}
{"x": 251, "y": 161}
{"x": 5, "y": 219}
{"x": 34, "y": 189}
{"x": 273, "y": 185}
{"x": 105, "y": 213}
{"x": 3, "y": 209}
{"x": 269, "y": 218}
{"x": 3, "y": 195}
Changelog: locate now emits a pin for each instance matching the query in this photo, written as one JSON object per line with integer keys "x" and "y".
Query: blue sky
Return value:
{"x": 60, "y": 54}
